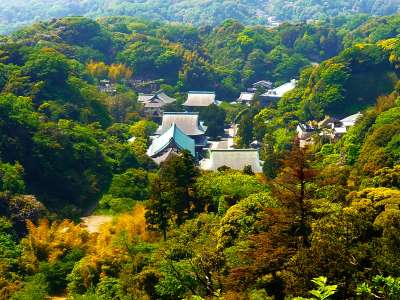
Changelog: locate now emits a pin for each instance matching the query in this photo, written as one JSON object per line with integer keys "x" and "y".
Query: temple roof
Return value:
{"x": 281, "y": 90}
{"x": 200, "y": 99}
{"x": 351, "y": 120}
{"x": 246, "y": 97}
{"x": 172, "y": 135}
{"x": 235, "y": 159}
{"x": 188, "y": 123}
{"x": 158, "y": 99}
{"x": 263, "y": 83}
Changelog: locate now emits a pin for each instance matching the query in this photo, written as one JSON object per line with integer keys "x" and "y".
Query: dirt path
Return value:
{"x": 93, "y": 223}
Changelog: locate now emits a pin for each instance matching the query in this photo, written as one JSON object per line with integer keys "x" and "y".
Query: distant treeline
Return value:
{"x": 198, "y": 12}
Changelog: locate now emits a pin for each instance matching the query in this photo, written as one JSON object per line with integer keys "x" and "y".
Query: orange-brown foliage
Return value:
{"x": 385, "y": 102}
{"x": 51, "y": 241}
{"x": 131, "y": 226}
{"x": 115, "y": 72}
{"x": 111, "y": 247}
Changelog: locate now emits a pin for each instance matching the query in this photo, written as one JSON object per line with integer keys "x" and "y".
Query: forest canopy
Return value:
{"x": 198, "y": 12}
{"x": 319, "y": 220}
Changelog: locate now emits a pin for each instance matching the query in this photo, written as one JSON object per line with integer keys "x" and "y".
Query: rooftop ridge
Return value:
{"x": 180, "y": 113}
{"x": 174, "y": 133}
{"x": 174, "y": 128}
{"x": 201, "y": 92}
{"x": 234, "y": 150}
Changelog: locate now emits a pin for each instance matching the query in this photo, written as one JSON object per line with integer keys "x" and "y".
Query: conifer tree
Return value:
{"x": 290, "y": 187}
{"x": 171, "y": 193}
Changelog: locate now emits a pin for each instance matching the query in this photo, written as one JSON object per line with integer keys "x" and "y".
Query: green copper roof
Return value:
{"x": 172, "y": 135}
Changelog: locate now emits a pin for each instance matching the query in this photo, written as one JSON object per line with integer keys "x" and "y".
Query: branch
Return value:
{"x": 178, "y": 276}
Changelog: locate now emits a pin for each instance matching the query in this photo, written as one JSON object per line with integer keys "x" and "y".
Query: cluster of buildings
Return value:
{"x": 330, "y": 129}
{"x": 268, "y": 95}
{"x": 180, "y": 131}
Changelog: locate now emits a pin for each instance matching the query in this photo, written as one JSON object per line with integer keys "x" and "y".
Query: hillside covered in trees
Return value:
{"x": 227, "y": 59}
{"x": 197, "y": 12}
{"x": 320, "y": 221}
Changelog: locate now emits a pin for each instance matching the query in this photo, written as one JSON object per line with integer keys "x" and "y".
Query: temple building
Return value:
{"x": 262, "y": 85}
{"x": 305, "y": 135}
{"x": 246, "y": 98}
{"x": 199, "y": 100}
{"x": 236, "y": 159}
{"x": 272, "y": 96}
{"x": 337, "y": 128}
{"x": 154, "y": 103}
{"x": 188, "y": 123}
{"x": 170, "y": 143}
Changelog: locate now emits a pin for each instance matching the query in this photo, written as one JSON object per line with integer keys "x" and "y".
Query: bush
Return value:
{"x": 116, "y": 205}
{"x": 133, "y": 184}
{"x": 56, "y": 273}
{"x": 36, "y": 288}
{"x": 109, "y": 289}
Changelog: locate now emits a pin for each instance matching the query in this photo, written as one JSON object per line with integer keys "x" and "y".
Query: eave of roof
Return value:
{"x": 352, "y": 118}
{"x": 245, "y": 96}
{"x": 280, "y": 90}
{"x": 188, "y": 123}
{"x": 172, "y": 135}
{"x": 200, "y": 99}
{"x": 160, "y": 97}
{"x": 167, "y": 99}
{"x": 233, "y": 158}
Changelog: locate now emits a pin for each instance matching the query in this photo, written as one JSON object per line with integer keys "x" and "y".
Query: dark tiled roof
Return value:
{"x": 235, "y": 159}
{"x": 200, "y": 99}
{"x": 188, "y": 122}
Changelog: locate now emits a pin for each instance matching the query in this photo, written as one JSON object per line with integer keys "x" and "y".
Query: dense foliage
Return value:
{"x": 227, "y": 59}
{"x": 320, "y": 222}
{"x": 198, "y": 12}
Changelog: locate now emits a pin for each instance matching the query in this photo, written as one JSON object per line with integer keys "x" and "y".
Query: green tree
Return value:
{"x": 67, "y": 164}
{"x": 125, "y": 189}
{"x": 214, "y": 117}
{"x": 219, "y": 191}
{"x": 11, "y": 178}
{"x": 35, "y": 288}
{"x": 17, "y": 129}
{"x": 171, "y": 197}
{"x": 131, "y": 184}
{"x": 109, "y": 289}
{"x": 9, "y": 254}
{"x": 159, "y": 212}
{"x": 50, "y": 68}
{"x": 246, "y": 129}
{"x": 382, "y": 287}
{"x": 143, "y": 129}
{"x": 189, "y": 262}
